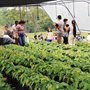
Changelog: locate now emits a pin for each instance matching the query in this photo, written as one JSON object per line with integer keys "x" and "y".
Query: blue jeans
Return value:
{"x": 48, "y": 40}
{"x": 21, "y": 39}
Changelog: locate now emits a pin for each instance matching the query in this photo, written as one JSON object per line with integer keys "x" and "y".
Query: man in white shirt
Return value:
{"x": 59, "y": 27}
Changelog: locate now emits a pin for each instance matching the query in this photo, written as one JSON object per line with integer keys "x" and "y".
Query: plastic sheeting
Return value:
{"x": 8, "y": 3}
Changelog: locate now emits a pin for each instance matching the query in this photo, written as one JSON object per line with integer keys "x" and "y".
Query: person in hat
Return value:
{"x": 21, "y": 32}
{"x": 7, "y": 31}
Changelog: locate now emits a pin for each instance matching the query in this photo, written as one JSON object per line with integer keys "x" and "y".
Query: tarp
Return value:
{"x": 7, "y": 3}
{"x": 10, "y": 3}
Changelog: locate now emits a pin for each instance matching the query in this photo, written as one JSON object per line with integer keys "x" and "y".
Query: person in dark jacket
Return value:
{"x": 74, "y": 28}
{"x": 7, "y": 32}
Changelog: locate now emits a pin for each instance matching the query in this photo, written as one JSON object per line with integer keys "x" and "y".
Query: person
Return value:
{"x": 72, "y": 33}
{"x": 21, "y": 32}
{"x": 74, "y": 28}
{"x": 7, "y": 32}
{"x": 35, "y": 37}
{"x": 58, "y": 25}
{"x": 79, "y": 37}
{"x": 49, "y": 35}
{"x": 54, "y": 36}
{"x": 15, "y": 32}
{"x": 6, "y": 40}
{"x": 88, "y": 37}
{"x": 65, "y": 21}
{"x": 66, "y": 33}
{"x": 59, "y": 33}
{"x": 58, "y": 21}
{"x": 40, "y": 37}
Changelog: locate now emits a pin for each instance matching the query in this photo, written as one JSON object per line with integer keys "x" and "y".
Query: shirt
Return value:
{"x": 8, "y": 33}
{"x": 60, "y": 24}
{"x": 15, "y": 32}
{"x": 20, "y": 28}
{"x": 14, "y": 28}
{"x": 50, "y": 35}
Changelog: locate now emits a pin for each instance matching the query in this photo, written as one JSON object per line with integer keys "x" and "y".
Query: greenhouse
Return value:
{"x": 78, "y": 9}
{"x": 45, "y": 45}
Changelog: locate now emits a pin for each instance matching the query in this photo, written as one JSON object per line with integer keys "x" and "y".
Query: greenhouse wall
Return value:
{"x": 82, "y": 13}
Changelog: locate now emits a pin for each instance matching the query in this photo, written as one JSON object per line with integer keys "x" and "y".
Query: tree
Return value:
{"x": 36, "y": 18}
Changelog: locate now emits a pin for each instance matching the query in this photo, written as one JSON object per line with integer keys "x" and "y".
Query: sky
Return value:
{"x": 81, "y": 13}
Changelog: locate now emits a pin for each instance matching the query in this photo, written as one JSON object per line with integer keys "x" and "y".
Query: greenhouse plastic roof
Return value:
{"x": 7, "y": 3}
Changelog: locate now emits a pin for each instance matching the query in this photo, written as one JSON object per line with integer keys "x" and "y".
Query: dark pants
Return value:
{"x": 1, "y": 41}
{"x": 65, "y": 40}
{"x": 4, "y": 41}
{"x": 16, "y": 41}
{"x": 21, "y": 39}
{"x": 48, "y": 40}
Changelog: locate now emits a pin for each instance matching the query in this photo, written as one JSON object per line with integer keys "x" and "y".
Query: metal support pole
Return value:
{"x": 70, "y": 14}
{"x": 73, "y": 8}
{"x": 56, "y": 8}
{"x": 88, "y": 10}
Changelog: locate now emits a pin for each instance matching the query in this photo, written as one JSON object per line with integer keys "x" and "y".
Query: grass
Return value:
{"x": 31, "y": 35}
{"x": 84, "y": 34}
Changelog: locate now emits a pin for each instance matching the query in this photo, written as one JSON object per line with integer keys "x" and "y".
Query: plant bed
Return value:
{"x": 14, "y": 83}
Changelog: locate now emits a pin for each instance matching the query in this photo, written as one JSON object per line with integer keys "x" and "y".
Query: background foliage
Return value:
{"x": 36, "y": 18}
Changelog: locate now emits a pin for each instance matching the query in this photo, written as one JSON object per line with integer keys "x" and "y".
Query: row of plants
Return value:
{"x": 66, "y": 65}
{"x": 75, "y": 56}
{"x": 18, "y": 60}
{"x": 3, "y": 83}
{"x": 60, "y": 73}
{"x": 31, "y": 79}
